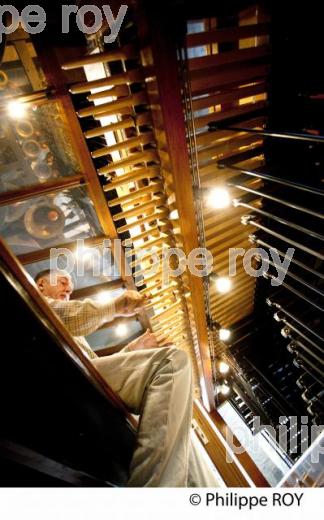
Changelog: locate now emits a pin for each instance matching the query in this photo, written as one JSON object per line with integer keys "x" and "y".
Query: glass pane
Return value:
{"x": 101, "y": 258}
{"x": 20, "y": 71}
{"x": 46, "y": 221}
{"x": 35, "y": 146}
{"x": 115, "y": 335}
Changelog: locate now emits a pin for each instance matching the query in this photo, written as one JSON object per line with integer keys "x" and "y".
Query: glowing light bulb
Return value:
{"x": 16, "y": 110}
{"x": 121, "y": 330}
{"x": 225, "y": 389}
{"x": 174, "y": 215}
{"x": 219, "y": 198}
{"x": 223, "y": 284}
{"x": 223, "y": 367}
{"x": 104, "y": 297}
{"x": 224, "y": 334}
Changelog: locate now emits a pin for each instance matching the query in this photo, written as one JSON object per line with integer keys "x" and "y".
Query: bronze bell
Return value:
{"x": 44, "y": 220}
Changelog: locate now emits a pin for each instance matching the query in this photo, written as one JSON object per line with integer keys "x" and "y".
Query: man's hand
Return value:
{"x": 149, "y": 340}
{"x": 129, "y": 303}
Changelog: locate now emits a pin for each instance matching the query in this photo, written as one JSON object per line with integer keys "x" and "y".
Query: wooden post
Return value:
{"x": 156, "y": 28}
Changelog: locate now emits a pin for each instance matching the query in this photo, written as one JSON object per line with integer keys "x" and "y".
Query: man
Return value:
{"x": 154, "y": 382}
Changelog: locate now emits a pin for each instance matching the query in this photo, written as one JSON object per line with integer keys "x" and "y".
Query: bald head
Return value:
{"x": 55, "y": 284}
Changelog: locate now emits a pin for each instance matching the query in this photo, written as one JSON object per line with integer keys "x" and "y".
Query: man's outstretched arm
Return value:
{"x": 82, "y": 317}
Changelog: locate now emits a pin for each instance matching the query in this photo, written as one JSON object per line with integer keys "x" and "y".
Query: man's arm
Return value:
{"x": 83, "y": 317}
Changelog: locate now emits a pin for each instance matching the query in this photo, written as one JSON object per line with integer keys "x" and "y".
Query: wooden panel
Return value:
{"x": 213, "y": 60}
{"x": 228, "y": 96}
{"x": 63, "y": 183}
{"x": 230, "y": 34}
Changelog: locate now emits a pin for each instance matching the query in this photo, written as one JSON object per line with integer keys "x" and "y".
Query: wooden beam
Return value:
{"x": 93, "y": 289}
{"x": 164, "y": 58}
{"x": 222, "y": 58}
{"x": 63, "y": 183}
{"x": 227, "y": 34}
{"x": 44, "y": 254}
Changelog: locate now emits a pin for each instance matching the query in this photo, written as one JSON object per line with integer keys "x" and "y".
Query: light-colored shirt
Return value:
{"x": 82, "y": 317}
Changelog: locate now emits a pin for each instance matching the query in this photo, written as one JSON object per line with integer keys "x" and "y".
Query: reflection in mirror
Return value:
{"x": 48, "y": 220}
{"x": 34, "y": 145}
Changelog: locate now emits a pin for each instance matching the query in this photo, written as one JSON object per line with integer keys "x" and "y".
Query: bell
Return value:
{"x": 42, "y": 171}
{"x": 44, "y": 220}
{"x": 3, "y": 79}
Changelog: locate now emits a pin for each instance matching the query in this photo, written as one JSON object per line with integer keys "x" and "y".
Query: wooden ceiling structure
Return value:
{"x": 140, "y": 153}
{"x": 125, "y": 108}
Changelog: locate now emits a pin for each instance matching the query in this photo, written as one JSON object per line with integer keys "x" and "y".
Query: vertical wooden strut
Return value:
{"x": 164, "y": 58}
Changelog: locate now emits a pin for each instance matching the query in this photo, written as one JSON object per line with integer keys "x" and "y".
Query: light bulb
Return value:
{"x": 219, "y": 198}
{"x": 174, "y": 214}
{"x": 225, "y": 389}
{"x": 224, "y": 334}
{"x": 223, "y": 284}
{"x": 121, "y": 330}
{"x": 223, "y": 367}
{"x": 16, "y": 110}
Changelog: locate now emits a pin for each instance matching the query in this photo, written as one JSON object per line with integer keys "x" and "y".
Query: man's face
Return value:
{"x": 60, "y": 289}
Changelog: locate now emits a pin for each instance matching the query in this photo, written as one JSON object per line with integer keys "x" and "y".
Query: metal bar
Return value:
{"x": 279, "y": 219}
{"x": 277, "y": 134}
{"x": 273, "y": 387}
{"x": 276, "y": 199}
{"x": 293, "y": 317}
{"x": 291, "y": 289}
{"x": 285, "y": 239}
{"x": 297, "y": 278}
{"x": 257, "y": 240}
{"x": 302, "y": 335}
{"x": 315, "y": 367}
{"x": 309, "y": 364}
{"x": 271, "y": 178}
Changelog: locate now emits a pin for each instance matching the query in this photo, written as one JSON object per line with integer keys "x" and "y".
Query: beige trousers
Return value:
{"x": 157, "y": 385}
